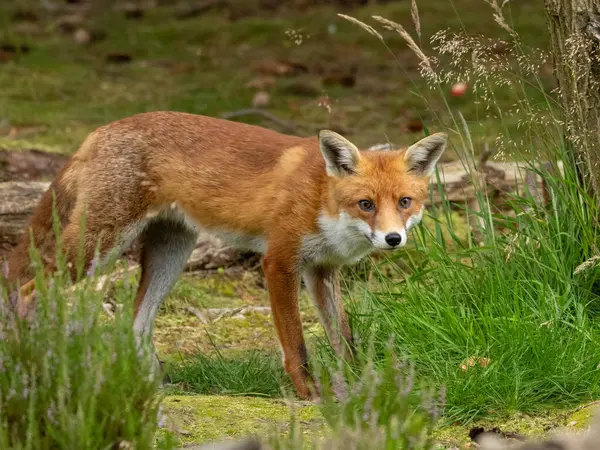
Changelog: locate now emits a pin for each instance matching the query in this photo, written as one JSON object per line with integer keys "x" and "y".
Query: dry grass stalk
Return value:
{"x": 425, "y": 64}
{"x": 592, "y": 262}
{"x": 364, "y": 26}
{"x": 414, "y": 13}
{"x": 499, "y": 17}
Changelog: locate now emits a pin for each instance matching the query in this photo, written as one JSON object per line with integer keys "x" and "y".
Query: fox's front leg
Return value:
{"x": 283, "y": 284}
{"x": 323, "y": 284}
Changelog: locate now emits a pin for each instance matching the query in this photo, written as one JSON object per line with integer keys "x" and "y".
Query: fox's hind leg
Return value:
{"x": 75, "y": 257}
{"x": 105, "y": 228}
{"x": 166, "y": 246}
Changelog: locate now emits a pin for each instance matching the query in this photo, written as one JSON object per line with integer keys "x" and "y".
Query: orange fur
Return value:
{"x": 225, "y": 177}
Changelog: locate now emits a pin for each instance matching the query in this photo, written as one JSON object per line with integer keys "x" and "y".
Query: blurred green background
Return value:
{"x": 68, "y": 66}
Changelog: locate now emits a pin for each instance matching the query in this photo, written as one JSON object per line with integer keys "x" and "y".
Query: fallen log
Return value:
{"x": 498, "y": 179}
{"x": 17, "y": 201}
{"x": 458, "y": 184}
{"x": 29, "y": 165}
{"x": 19, "y": 198}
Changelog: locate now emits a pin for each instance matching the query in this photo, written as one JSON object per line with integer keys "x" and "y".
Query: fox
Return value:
{"x": 308, "y": 205}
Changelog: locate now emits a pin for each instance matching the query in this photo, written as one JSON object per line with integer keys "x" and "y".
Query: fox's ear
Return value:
{"x": 422, "y": 156}
{"x": 341, "y": 156}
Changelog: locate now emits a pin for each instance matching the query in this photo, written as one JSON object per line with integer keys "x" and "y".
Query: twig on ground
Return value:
{"x": 212, "y": 315}
{"x": 292, "y": 128}
{"x": 198, "y": 314}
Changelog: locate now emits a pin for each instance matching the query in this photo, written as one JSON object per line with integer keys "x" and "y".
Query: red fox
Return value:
{"x": 310, "y": 205}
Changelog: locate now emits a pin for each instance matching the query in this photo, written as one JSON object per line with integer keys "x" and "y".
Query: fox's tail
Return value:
{"x": 17, "y": 267}
{"x": 60, "y": 199}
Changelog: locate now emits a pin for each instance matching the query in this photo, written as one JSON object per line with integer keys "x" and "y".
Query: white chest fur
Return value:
{"x": 342, "y": 240}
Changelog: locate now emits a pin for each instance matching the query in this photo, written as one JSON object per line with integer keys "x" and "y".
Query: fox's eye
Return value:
{"x": 404, "y": 202}
{"x": 366, "y": 205}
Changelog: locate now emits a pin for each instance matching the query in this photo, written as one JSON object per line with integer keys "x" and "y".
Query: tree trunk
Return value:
{"x": 575, "y": 33}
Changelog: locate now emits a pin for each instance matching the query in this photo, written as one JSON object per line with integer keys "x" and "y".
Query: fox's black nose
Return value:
{"x": 393, "y": 239}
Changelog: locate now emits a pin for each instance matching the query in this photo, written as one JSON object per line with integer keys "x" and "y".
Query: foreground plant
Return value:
{"x": 70, "y": 378}
{"x": 372, "y": 407}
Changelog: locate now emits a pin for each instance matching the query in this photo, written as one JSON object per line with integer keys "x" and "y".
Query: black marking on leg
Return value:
{"x": 303, "y": 358}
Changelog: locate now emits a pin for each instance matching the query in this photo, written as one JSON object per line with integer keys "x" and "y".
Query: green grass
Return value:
{"x": 518, "y": 300}
{"x": 534, "y": 320}
{"x": 245, "y": 373}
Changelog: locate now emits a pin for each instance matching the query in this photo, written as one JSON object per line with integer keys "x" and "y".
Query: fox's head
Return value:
{"x": 379, "y": 194}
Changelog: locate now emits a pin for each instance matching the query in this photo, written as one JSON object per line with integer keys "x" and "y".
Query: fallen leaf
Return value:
{"x": 118, "y": 58}
{"x": 68, "y": 24}
{"x": 415, "y": 125}
{"x": 471, "y": 361}
{"x": 29, "y": 28}
{"x": 22, "y": 15}
{"x": 82, "y": 36}
{"x": 278, "y": 67}
{"x": 130, "y": 10}
{"x": 261, "y": 99}
{"x": 9, "y": 52}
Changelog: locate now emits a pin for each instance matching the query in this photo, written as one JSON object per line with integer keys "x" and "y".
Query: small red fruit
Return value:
{"x": 458, "y": 89}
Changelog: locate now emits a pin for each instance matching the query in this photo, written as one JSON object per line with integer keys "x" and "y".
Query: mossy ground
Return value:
{"x": 538, "y": 426}
{"x": 207, "y": 418}
{"x": 214, "y": 417}
{"x": 180, "y": 332}
{"x": 180, "y": 335}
